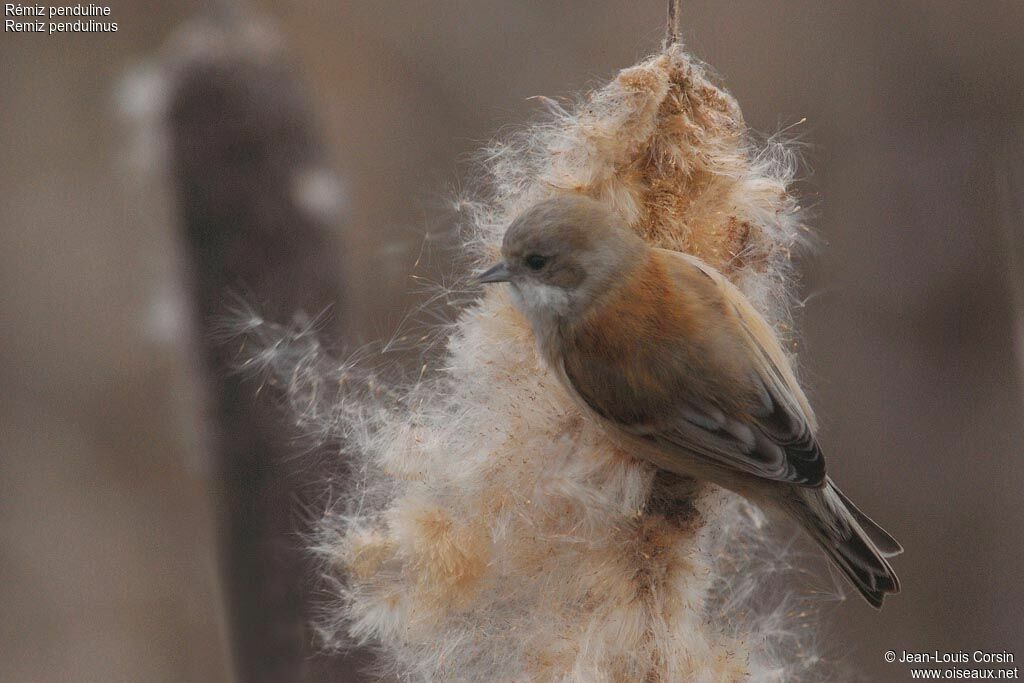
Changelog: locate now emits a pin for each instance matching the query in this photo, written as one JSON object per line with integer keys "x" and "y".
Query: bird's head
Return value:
{"x": 562, "y": 254}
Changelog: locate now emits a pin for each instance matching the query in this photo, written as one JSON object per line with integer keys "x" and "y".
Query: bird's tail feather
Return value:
{"x": 851, "y": 539}
{"x": 885, "y": 543}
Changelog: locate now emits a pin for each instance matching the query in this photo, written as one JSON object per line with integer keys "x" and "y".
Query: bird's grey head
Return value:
{"x": 560, "y": 255}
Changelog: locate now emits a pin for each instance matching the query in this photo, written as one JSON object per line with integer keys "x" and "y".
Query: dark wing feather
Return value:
{"x": 776, "y": 447}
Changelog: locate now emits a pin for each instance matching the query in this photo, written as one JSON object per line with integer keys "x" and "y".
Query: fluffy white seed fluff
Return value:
{"x": 488, "y": 530}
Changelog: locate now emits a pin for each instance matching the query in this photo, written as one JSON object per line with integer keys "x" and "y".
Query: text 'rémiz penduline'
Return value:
{"x": 80, "y": 19}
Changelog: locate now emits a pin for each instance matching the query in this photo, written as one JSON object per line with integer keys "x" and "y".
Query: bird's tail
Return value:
{"x": 857, "y": 545}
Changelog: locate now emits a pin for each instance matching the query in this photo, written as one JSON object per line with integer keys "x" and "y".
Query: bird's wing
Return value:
{"x": 772, "y": 439}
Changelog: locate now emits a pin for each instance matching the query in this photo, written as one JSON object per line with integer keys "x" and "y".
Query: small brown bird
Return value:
{"x": 674, "y": 360}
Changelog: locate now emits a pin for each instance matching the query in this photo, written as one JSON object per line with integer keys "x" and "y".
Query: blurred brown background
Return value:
{"x": 108, "y": 555}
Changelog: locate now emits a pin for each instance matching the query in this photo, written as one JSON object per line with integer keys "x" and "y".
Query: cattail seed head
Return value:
{"x": 491, "y": 531}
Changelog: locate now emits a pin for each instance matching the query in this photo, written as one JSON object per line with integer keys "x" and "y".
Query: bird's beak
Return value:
{"x": 496, "y": 273}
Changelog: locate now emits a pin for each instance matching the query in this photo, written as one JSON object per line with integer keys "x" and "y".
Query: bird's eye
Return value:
{"x": 536, "y": 261}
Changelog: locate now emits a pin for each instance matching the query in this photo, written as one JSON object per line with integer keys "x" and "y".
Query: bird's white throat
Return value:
{"x": 537, "y": 300}
{"x": 543, "y": 305}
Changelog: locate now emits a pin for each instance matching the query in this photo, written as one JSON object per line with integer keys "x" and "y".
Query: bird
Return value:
{"x": 676, "y": 363}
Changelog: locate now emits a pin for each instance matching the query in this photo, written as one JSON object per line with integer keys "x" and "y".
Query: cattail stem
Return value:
{"x": 672, "y": 24}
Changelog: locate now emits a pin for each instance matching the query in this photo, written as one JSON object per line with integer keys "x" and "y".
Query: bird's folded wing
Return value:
{"x": 774, "y": 447}
{"x": 774, "y": 442}
{"x": 787, "y": 426}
